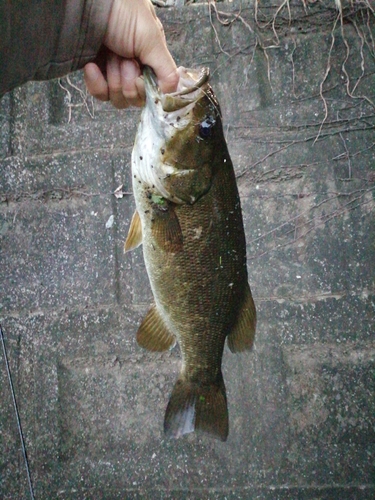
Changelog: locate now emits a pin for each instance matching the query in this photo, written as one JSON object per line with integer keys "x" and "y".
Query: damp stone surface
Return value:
{"x": 296, "y": 86}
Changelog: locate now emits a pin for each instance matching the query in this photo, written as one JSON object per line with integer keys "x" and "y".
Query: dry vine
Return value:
{"x": 360, "y": 16}
{"x": 84, "y": 99}
{"x": 313, "y": 222}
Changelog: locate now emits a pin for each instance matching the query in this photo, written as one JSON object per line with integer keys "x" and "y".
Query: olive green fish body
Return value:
{"x": 195, "y": 254}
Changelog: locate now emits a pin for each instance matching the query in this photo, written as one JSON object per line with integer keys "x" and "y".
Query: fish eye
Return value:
{"x": 205, "y": 127}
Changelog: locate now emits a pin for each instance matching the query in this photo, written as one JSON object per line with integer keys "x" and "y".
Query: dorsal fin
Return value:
{"x": 134, "y": 238}
{"x": 241, "y": 337}
{"x": 153, "y": 334}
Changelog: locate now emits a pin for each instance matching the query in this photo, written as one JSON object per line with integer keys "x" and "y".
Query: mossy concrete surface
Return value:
{"x": 296, "y": 84}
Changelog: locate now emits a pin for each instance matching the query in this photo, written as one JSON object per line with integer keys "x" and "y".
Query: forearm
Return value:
{"x": 42, "y": 39}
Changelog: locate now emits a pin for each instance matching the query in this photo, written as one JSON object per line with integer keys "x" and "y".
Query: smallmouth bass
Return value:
{"x": 188, "y": 218}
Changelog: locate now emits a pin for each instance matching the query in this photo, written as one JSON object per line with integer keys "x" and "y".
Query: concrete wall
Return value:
{"x": 302, "y": 409}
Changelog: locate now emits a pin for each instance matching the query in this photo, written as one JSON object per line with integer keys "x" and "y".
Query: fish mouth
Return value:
{"x": 189, "y": 88}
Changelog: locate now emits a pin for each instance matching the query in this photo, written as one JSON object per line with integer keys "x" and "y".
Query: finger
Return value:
{"x": 95, "y": 82}
{"x": 165, "y": 68}
{"x": 132, "y": 85}
{"x": 116, "y": 95}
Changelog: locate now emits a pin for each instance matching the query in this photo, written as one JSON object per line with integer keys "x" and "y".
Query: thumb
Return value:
{"x": 153, "y": 52}
{"x": 160, "y": 60}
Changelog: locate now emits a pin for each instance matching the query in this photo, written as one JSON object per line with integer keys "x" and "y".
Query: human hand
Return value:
{"x": 134, "y": 37}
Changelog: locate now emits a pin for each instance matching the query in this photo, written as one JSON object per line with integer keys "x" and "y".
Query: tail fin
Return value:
{"x": 197, "y": 407}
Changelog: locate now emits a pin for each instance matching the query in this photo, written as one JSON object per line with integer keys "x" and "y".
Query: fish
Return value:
{"x": 188, "y": 219}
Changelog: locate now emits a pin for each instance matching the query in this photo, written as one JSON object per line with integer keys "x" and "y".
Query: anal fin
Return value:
{"x": 134, "y": 238}
{"x": 153, "y": 334}
{"x": 241, "y": 337}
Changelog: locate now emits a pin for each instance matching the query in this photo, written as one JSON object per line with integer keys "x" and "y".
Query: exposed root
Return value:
{"x": 271, "y": 153}
{"x": 347, "y": 156}
{"x": 280, "y": 24}
{"x": 337, "y": 129}
{"x": 211, "y": 5}
{"x": 362, "y": 38}
{"x": 353, "y": 155}
{"x": 293, "y": 70}
{"x": 84, "y": 98}
{"x": 285, "y": 3}
{"x": 328, "y": 69}
{"x": 300, "y": 232}
{"x": 343, "y": 67}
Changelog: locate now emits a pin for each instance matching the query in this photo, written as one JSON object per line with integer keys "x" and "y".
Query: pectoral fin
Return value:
{"x": 241, "y": 337}
{"x": 134, "y": 238}
{"x": 153, "y": 334}
{"x": 166, "y": 230}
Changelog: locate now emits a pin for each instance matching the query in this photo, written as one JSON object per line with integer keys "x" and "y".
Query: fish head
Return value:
{"x": 178, "y": 137}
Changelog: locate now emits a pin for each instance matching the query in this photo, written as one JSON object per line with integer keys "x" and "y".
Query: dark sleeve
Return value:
{"x": 44, "y": 39}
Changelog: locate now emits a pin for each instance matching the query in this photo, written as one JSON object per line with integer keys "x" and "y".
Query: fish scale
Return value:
{"x": 190, "y": 223}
